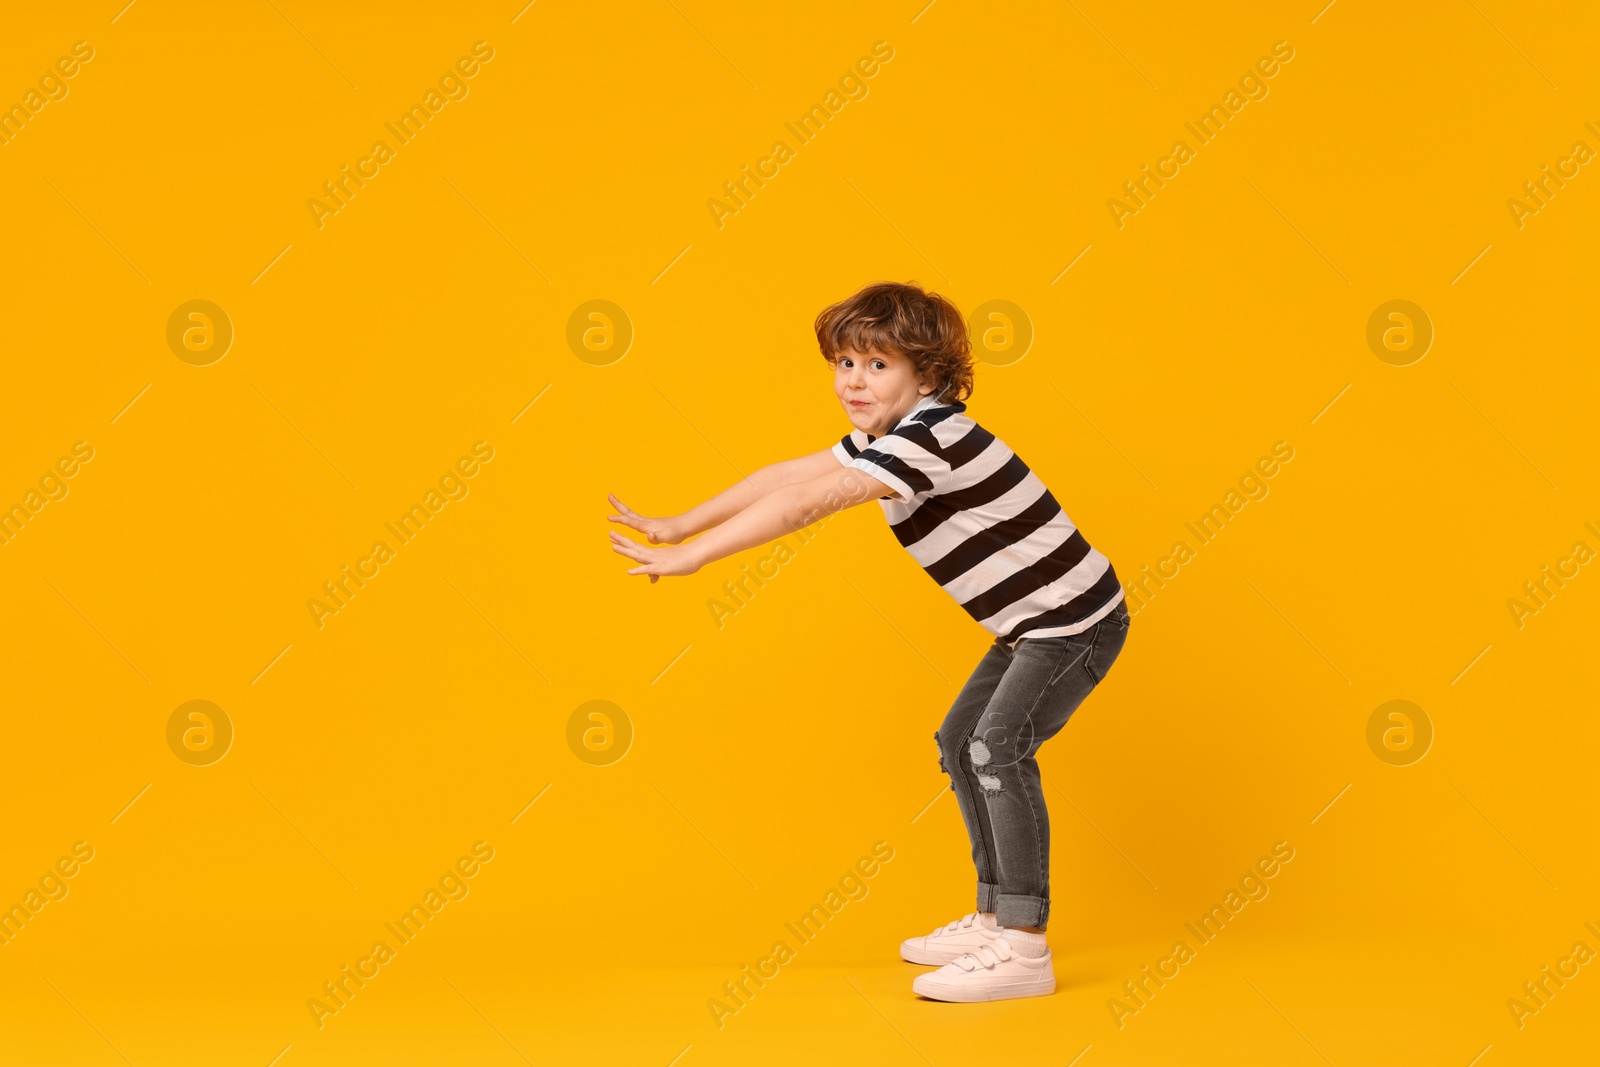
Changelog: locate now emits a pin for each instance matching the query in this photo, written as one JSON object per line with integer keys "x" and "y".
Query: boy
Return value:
{"x": 987, "y": 530}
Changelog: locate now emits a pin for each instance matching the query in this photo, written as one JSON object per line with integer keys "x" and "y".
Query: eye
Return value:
{"x": 881, "y": 364}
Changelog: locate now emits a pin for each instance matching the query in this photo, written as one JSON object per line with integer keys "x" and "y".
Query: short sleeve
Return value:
{"x": 910, "y": 461}
{"x": 850, "y": 446}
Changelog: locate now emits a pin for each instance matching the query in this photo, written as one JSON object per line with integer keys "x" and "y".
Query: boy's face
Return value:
{"x": 877, "y": 388}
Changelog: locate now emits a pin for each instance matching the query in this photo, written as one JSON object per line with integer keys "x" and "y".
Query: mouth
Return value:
{"x": 857, "y": 405}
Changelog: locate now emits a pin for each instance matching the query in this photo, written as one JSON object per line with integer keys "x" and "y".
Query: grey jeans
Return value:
{"x": 1014, "y": 702}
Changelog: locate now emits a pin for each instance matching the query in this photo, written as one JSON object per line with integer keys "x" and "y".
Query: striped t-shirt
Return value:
{"x": 983, "y": 525}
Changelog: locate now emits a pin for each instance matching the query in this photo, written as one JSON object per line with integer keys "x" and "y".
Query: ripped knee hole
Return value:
{"x": 979, "y": 753}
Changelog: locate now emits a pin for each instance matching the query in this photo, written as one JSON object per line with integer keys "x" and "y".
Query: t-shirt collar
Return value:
{"x": 924, "y": 403}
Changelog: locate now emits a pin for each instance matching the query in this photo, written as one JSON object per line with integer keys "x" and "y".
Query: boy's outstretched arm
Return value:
{"x": 782, "y": 511}
{"x": 727, "y": 503}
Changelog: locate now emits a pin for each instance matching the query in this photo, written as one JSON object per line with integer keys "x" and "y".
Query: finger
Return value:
{"x": 654, "y": 578}
{"x": 632, "y": 551}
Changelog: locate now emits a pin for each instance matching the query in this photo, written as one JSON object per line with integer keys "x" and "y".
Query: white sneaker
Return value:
{"x": 993, "y": 972}
{"x": 950, "y": 941}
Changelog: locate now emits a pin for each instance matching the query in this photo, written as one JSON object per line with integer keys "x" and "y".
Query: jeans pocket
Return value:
{"x": 1105, "y": 646}
{"x": 1072, "y": 655}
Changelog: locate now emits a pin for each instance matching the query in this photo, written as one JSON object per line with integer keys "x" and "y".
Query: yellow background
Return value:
{"x": 771, "y": 754}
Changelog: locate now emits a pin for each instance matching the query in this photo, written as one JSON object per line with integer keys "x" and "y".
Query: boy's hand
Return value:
{"x": 656, "y": 561}
{"x": 659, "y": 531}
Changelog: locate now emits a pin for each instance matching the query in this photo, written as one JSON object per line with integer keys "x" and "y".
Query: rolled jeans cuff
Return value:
{"x": 1012, "y": 909}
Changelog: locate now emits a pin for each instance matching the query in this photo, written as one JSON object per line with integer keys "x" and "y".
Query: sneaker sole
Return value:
{"x": 930, "y": 957}
{"x": 982, "y": 994}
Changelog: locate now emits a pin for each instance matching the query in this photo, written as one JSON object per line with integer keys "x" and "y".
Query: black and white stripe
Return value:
{"x": 983, "y": 525}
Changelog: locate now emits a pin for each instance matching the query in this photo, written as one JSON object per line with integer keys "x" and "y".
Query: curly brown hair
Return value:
{"x": 926, "y": 328}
